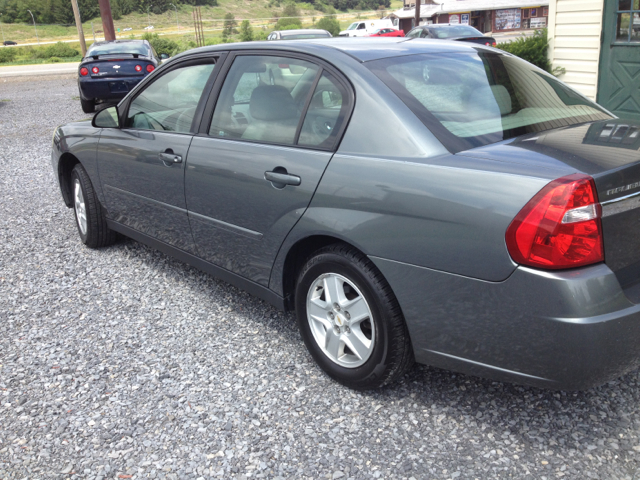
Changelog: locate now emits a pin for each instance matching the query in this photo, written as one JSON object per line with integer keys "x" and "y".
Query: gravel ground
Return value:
{"x": 124, "y": 363}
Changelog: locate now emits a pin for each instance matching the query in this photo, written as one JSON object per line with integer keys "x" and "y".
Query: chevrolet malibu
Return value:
{"x": 411, "y": 200}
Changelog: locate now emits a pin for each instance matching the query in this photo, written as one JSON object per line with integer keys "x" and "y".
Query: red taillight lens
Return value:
{"x": 488, "y": 44}
{"x": 138, "y": 68}
{"x": 494, "y": 44}
{"x": 95, "y": 69}
{"x": 84, "y": 71}
{"x": 150, "y": 68}
{"x": 560, "y": 227}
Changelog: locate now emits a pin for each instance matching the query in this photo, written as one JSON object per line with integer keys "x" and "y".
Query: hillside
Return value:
{"x": 261, "y": 13}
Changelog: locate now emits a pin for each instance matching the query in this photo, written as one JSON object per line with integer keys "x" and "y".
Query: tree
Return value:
{"x": 290, "y": 17}
{"x": 246, "y": 32}
{"x": 329, "y": 24}
{"x": 230, "y": 25}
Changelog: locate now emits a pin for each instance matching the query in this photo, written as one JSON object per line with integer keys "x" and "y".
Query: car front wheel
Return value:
{"x": 90, "y": 215}
{"x": 350, "y": 319}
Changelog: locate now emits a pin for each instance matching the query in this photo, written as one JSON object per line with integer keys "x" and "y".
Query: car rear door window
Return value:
{"x": 169, "y": 103}
{"x": 262, "y": 99}
{"x": 326, "y": 112}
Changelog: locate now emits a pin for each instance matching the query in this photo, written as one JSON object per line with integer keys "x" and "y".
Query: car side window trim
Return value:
{"x": 217, "y": 60}
{"x": 209, "y": 108}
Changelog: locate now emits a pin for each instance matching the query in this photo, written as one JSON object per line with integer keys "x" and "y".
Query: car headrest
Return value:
{"x": 272, "y": 102}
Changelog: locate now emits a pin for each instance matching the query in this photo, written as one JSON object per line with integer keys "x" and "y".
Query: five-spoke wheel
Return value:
{"x": 350, "y": 319}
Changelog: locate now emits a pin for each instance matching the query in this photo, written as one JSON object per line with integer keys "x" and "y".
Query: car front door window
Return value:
{"x": 169, "y": 103}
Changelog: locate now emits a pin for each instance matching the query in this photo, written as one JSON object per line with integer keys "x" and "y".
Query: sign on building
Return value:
{"x": 508, "y": 19}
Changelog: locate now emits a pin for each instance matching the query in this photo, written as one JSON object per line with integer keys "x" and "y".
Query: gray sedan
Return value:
{"x": 412, "y": 200}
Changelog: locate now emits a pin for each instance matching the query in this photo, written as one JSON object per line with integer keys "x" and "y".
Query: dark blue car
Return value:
{"x": 111, "y": 69}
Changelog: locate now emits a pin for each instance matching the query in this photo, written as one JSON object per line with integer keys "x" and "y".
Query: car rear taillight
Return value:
{"x": 559, "y": 227}
{"x": 95, "y": 69}
{"x": 488, "y": 44}
{"x": 150, "y": 68}
{"x": 84, "y": 71}
{"x": 138, "y": 68}
{"x": 493, "y": 44}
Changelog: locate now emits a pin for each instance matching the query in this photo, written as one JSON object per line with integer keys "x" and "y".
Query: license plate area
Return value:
{"x": 118, "y": 87}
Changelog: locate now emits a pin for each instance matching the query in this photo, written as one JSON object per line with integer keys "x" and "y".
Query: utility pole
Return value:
{"x": 177, "y": 24}
{"x": 76, "y": 14}
{"x": 34, "y": 26}
{"x": 148, "y": 17}
{"x": 1, "y": 30}
{"x": 107, "y": 20}
{"x": 417, "y": 18}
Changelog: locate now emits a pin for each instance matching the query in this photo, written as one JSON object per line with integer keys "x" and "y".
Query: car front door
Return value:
{"x": 251, "y": 172}
{"x": 142, "y": 163}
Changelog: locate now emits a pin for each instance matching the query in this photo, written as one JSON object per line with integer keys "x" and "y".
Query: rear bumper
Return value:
{"x": 106, "y": 88}
{"x": 569, "y": 330}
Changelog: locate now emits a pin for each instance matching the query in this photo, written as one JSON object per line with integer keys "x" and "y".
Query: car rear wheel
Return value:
{"x": 90, "y": 215}
{"x": 350, "y": 319}
{"x": 88, "y": 106}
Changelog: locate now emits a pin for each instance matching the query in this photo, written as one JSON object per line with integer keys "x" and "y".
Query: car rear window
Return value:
{"x": 458, "y": 31}
{"x": 298, "y": 36}
{"x": 111, "y": 48}
{"x": 472, "y": 99}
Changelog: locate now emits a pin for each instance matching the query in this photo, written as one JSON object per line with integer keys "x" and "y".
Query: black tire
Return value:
{"x": 88, "y": 106}
{"x": 391, "y": 353}
{"x": 97, "y": 234}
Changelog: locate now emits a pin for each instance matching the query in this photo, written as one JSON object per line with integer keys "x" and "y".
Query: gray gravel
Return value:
{"x": 124, "y": 363}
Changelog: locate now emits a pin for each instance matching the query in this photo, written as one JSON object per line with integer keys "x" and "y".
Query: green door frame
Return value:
{"x": 619, "y": 67}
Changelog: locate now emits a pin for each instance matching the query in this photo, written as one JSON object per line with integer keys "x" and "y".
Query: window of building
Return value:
{"x": 628, "y": 21}
{"x": 545, "y": 11}
{"x": 534, "y": 12}
{"x": 525, "y": 13}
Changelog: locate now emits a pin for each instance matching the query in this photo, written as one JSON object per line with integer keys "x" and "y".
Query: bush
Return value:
{"x": 533, "y": 50}
{"x": 161, "y": 45}
{"x": 55, "y": 59}
{"x": 329, "y": 24}
{"x": 60, "y": 50}
{"x": 7, "y": 54}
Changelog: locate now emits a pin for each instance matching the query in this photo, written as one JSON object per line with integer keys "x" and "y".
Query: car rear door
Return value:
{"x": 253, "y": 168}
{"x": 142, "y": 163}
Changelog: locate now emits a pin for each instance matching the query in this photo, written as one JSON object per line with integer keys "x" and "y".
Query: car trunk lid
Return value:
{"x": 114, "y": 66}
{"x": 609, "y": 151}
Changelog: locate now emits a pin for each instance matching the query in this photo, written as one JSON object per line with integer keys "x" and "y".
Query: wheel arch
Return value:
{"x": 297, "y": 255}
{"x": 65, "y": 166}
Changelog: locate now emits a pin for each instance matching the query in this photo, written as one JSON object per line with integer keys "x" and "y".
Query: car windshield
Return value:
{"x": 353, "y": 26}
{"x": 472, "y": 99}
{"x": 111, "y": 48}
{"x": 457, "y": 31}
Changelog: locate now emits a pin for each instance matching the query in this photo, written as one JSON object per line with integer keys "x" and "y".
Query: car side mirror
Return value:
{"x": 163, "y": 56}
{"x": 107, "y": 118}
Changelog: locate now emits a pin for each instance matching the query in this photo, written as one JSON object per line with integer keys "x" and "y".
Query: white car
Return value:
{"x": 127, "y": 29}
{"x": 150, "y": 27}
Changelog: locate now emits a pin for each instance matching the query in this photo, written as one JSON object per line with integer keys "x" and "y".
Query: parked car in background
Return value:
{"x": 298, "y": 34}
{"x": 150, "y": 27}
{"x": 127, "y": 29}
{"x": 364, "y": 28}
{"x": 111, "y": 69}
{"x": 9, "y": 42}
{"x": 468, "y": 211}
{"x": 387, "y": 32}
{"x": 446, "y": 31}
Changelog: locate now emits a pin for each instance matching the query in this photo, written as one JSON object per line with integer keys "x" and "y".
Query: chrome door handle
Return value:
{"x": 280, "y": 180}
{"x": 170, "y": 158}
